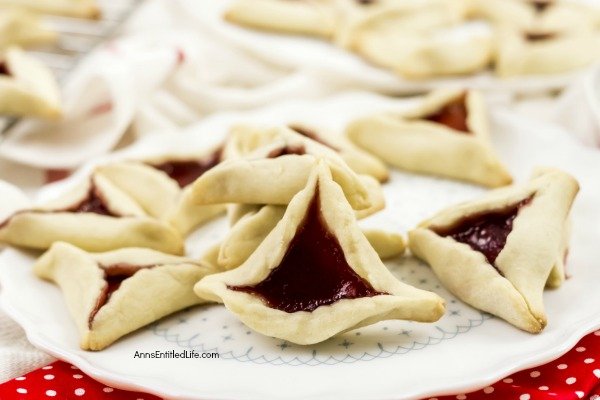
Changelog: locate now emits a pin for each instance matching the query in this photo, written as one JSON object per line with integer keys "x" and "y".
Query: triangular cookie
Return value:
{"x": 250, "y": 230}
{"x": 497, "y": 253}
{"x": 315, "y": 275}
{"x": 20, "y": 28}
{"x": 446, "y": 135}
{"x": 421, "y": 40}
{"x": 276, "y": 171}
{"x": 96, "y": 216}
{"x": 541, "y": 50}
{"x": 112, "y": 294}
{"x": 161, "y": 185}
{"x": 313, "y": 17}
{"x": 245, "y": 139}
{"x": 27, "y": 87}
{"x": 542, "y": 14}
{"x": 359, "y": 160}
{"x": 71, "y": 8}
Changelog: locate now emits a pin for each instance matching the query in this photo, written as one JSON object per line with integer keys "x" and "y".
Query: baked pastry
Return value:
{"x": 295, "y": 290}
{"x": 419, "y": 39}
{"x": 95, "y": 216}
{"x": 250, "y": 230}
{"x": 27, "y": 87}
{"x": 161, "y": 186}
{"x": 392, "y": 16}
{"x": 360, "y": 161}
{"x": 245, "y": 139}
{"x": 70, "y": 8}
{"x": 112, "y": 294}
{"x": 498, "y": 253}
{"x": 539, "y": 51}
{"x": 20, "y": 28}
{"x": 446, "y": 135}
{"x": 275, "y": 172}
{"x": 305, "y": 17}
{"x": 540, "y": 14}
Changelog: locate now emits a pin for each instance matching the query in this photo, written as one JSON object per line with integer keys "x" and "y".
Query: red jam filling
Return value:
{"x": 453, "y": 115}
{"x": 287, "y": 150}
{"x": 4, "y": 69}
{"x": 114, "y": 275}
{"x": 185, "y": 172}
{"x": 541, "y": 5}
{"x": 312, "y": 135}
{"x": 92, "y": 203}
{"x": 539, "y": 36}
{"x": 313, "y": 272}
{"x": 487, "y": 232}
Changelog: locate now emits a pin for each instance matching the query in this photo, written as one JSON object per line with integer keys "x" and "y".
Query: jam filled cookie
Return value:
{"x": 162, "y": 186}
{"x": 244, "y": 139}
{"x": 250, "y": 230}
{"x": 419, "y": 39}
{"x": 498, "y": 253}
{"x": 112, "y": 294}
{"x": 315, "y": 275}
{"x": 96, "y": 216}
{"x": 543, "y": 50}
{"x": 27, "y": 87}
{"x": 275, "y": 172}
{"x": 446, "y": 135}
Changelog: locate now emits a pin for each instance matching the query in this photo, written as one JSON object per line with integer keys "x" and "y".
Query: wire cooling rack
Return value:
{"x": 77, "y": 37}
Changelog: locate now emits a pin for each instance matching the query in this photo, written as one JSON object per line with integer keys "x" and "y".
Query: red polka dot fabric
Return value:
{"x": 63, "y": 381}
{"x": 576, "y": 375}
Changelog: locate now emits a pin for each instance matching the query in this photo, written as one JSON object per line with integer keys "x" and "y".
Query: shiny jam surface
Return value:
{"x": 92, "y": 203}
{"x": 312, "y": 135}
{"x": 185, "y": 172}
{"x": 453, "y": 115}
{"x": 114, "y": 275}
{"x": 313, "y": 272}
{"x": 485, "y": 233}
{"x": 287, "y": 150}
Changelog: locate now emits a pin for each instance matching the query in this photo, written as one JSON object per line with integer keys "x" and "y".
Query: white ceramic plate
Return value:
{"x": 465, "y": 350}
{"x": 338, "y": 66}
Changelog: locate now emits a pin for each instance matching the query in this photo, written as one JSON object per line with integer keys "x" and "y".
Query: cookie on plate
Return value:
{"x": 250, "y": 230}
{"x": 162, "y": 185}
{"x": 95, "y": 215}
{"x": 447, "y": 134}
{"x": 499, "y": 252}
{"x": 275, "y": 172}
{"x": 315, "y": 275}
{"x": 115, "y": 293}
